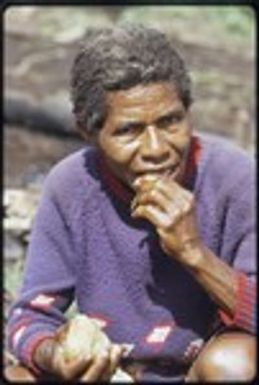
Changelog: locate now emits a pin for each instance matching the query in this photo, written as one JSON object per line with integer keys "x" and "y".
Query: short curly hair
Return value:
{"x": 117, "y": 59}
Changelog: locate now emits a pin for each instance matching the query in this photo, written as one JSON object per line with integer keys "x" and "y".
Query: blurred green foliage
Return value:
{"x": 232, "y": 26}
{"x": 12, "y": 276}
{"x": 216, "y": 25}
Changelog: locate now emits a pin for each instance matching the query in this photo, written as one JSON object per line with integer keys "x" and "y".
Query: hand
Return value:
{"x": 79, "y": 350}
{"x": 103, "y": 366}
{"x": 171, "y": 209}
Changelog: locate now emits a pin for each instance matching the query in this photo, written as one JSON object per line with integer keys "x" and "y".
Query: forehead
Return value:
{"x": 142, "y": 101}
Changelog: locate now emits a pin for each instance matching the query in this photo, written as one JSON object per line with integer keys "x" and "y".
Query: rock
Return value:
{"x": 13, "y": 248}
{"x": 20, "y": 208}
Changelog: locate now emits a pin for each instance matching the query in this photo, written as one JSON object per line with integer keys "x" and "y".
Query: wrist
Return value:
{"x": 192, "y": 254}
{"x": 43, "y": 354}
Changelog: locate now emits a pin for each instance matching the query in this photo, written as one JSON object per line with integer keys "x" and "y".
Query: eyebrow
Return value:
{"x": 131, "y": 123}
{"x": 170, "y": 114}
{"x": 138, "y": 123}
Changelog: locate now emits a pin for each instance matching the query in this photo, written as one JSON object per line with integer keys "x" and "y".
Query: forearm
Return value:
{"x": 215, "y": 276}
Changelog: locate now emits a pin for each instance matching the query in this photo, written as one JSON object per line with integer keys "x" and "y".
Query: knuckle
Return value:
{"x": 167, "y": 225}
{"x": 176, "y": 213}
{"x": 153, "y": 193}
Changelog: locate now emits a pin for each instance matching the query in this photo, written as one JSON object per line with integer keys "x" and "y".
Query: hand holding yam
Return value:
{"x": 83, "y": 351}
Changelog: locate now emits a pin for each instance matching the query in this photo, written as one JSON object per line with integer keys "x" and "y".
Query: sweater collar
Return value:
{"x": 125, "y": 194}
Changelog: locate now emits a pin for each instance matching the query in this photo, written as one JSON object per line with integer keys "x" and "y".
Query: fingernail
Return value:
{"x": 135, "y": 213}
{"x": 135, "y": 186}
{"x": 133, "y": 203}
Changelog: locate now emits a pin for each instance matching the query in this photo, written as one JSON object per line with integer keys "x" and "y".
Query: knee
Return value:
{"x": 229, "y": 356}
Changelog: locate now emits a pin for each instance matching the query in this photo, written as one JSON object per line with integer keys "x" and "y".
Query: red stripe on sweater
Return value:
{"x": 194, "y": 157}
{"x": 25, "y": 321}
{"x": 246, "y": 301}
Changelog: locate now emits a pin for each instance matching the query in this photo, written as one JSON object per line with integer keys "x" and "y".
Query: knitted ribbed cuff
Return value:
{"x": 17, "y": 327}
{"x": 29, "y": 340}
{"x": 245, "y": 312}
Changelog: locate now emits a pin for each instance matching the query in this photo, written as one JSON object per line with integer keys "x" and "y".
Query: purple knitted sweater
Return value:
{"x": 86, "y": 246}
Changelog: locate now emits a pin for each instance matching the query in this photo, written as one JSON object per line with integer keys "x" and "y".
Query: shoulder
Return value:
{"x": 72, "y": 175}
{"x": 224, "y": 163}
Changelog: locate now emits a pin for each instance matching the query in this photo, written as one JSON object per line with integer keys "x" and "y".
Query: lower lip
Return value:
{"x": 168, "y": 173}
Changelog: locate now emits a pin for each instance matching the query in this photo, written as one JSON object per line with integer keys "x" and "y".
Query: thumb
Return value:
{"x": 69, "y": 367}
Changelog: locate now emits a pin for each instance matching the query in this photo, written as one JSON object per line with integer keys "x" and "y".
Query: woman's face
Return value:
{"x": 147, "y": 131}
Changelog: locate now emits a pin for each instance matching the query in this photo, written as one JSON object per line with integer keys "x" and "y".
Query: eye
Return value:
{"x": 129, "y": 129}
{"x": 169, "y": 120}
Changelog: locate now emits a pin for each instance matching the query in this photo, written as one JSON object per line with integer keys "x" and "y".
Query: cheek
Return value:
{"x": 117, "y": 152}
{"x": 180, "y": 142}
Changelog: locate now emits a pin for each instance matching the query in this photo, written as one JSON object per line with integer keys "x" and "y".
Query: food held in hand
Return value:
{"x": 82, "y": 337}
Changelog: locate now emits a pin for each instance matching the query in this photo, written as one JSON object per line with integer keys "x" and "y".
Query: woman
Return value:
{"x": 151, "y": 228}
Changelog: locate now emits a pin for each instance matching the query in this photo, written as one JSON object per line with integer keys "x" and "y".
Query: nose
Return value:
{"x": 154, "y": 147}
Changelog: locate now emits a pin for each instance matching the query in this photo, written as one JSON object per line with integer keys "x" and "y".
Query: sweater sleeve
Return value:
{"x": 48, "y": 285}
{"x": 240, "y": 246}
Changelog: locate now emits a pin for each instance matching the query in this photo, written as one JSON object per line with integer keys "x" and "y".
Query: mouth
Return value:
{"x": 165, "y": 171}
{"x": 168, "y": 172}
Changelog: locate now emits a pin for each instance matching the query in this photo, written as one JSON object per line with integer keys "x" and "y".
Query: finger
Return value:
{"x": 69, "y": 370}
{"x": 152, "y": 214}
{"x": 134, "y": 203}
{"x": 174, "y": 208}
{"x": 148, "y": 184}
{"x": 182, "y": 199}
{"x": 145, "y": 179}
{"x": 97, "y": 368}
{"x": 115, "y": 356}
{"x": 178, "y": 206}
{"x": 162, "y": 183}
{"x": 175, "y": 212}
{"x": 171, "y": 189}
{"x": 153, "y": 197}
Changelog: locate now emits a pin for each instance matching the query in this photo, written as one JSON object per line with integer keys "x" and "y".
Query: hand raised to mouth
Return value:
{"x": 171, "y": 209}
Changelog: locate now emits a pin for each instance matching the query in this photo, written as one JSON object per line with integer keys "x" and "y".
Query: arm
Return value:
{"x": 172, "y": 210}
{"x": 79, "y": 348}
{"x": 37, "y": 325}
{"x": 48, "y": 284}
{"x": 232, "y": 289}
{"x": 217, "y": 277}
